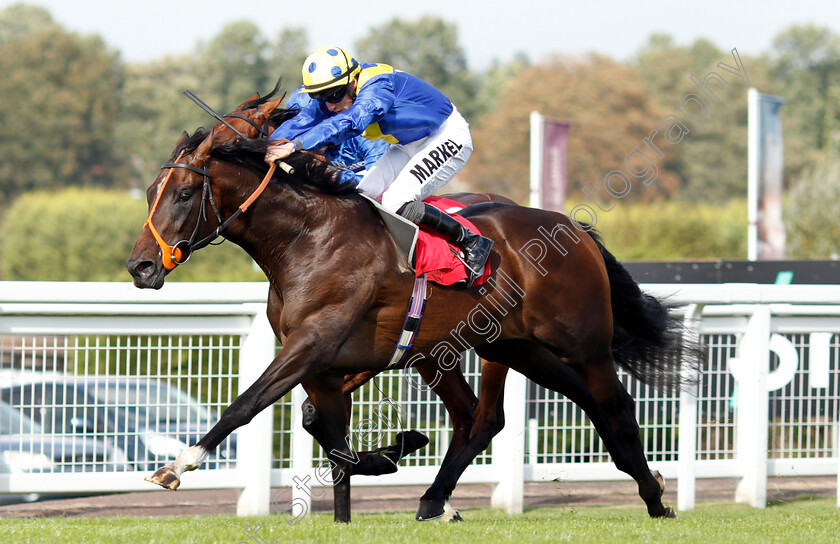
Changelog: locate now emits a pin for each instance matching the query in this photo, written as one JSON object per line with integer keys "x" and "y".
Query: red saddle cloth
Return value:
{"x": 436, "y": 257}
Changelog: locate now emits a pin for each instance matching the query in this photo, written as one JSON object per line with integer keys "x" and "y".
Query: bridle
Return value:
{"x": 182, "y": 250}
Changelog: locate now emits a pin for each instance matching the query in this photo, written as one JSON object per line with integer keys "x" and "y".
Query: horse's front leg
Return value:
{"x": 303, "y": 354}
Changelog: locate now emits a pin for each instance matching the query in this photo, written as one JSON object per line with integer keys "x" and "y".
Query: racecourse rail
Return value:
{"x": 766, "y": 401}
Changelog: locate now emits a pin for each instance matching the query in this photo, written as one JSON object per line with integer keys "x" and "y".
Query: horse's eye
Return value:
{"x": 184, "y": 196}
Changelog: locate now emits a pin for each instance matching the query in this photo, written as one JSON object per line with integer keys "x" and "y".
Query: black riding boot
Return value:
{"x": 475, "y": 248}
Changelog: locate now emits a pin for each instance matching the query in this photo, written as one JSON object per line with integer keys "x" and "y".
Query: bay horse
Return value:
{"x": 563, "y": 316}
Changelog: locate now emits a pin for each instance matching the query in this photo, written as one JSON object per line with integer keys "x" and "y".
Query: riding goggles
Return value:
{"x": 330, "y": 95}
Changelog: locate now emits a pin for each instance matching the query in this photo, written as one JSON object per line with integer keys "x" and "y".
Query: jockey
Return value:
{"x": 356, "y": 155}
{"x": 430, "y": 140}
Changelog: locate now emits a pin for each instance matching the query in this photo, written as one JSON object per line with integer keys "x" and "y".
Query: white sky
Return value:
{"x": 488, "y": 30}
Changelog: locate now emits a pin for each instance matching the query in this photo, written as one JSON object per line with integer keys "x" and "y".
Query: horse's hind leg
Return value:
{"x": 459, "y": 400}
{"x": 592, "y": 384}
{"x": 452, "y": 388}
{"x": 619, "y": 408}
{"x": 383, "y": 460}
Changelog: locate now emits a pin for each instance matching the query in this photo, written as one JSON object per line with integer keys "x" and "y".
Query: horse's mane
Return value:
{"x": 310, "y": 170}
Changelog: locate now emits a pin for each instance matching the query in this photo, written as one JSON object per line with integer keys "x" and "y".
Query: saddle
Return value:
{"x": 427, "y": 252}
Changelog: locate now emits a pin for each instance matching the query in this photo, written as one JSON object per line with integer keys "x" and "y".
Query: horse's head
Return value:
{"x": 177, "y": 212}
{"x": 190, "y": 201}
{"x": 180, "y": 196}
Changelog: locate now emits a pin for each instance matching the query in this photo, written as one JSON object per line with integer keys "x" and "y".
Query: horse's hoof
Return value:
{"x": 667, "y": 512}
{"x": 429, "y": 510}
{"x": 410, "y": 441}
{"x": 165, "y": 478}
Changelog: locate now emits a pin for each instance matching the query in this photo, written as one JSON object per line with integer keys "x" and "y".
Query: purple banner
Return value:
{"x": 553, "y": 183}
{"x": 771, "y": 228}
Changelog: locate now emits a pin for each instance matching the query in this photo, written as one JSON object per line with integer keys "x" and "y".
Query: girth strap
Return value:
{"x": 416, "y": 307}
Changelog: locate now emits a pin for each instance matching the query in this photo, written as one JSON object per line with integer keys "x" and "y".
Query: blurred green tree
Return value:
{"x": 805, "y": 61}
{"x": 20, "y": 20}
{"x": 60, "y": 99}
{"x": 611, "y": 113}
{"x": 492, "y": 82}
{"x": 155, "y": 113}
{"x": 811, "y": 221}
{"x": 286, "y": 56}
{"x": 233, "y": 65}
{"x": 711, "y": 164}
{"x": 427, "y": 48}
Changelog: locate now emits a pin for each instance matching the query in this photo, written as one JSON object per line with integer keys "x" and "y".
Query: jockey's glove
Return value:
{"x": 278, "y": 152}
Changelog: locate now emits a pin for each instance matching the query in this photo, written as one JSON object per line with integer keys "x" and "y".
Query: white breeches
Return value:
{"x": 417, "y": 169}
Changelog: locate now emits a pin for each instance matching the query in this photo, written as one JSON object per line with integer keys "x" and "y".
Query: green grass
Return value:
{"x": 812, "y": 521}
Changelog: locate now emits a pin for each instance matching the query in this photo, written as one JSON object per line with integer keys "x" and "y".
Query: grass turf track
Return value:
{"x": 808, "y": 521}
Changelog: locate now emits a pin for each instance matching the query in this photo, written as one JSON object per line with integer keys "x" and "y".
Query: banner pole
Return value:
{"x": 536, "y": 171}
{"x": 754, "y": 132}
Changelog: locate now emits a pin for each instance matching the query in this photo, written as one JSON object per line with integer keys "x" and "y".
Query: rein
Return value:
{"x": 261, "y": 130}
{"x": 221, "y": 118}
{"x": 180, "y": 252}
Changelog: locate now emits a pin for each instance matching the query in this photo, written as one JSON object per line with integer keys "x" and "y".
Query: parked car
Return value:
{"x": 9, "y": 498}
{"x": 24, "y": 448}
{"x": 151, "y": 421}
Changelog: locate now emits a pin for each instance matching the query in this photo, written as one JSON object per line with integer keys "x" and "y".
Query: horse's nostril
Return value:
{"x": 141, "y": 268}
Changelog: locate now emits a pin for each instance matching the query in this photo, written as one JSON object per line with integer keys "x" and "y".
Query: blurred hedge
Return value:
{"x": 86, "y": 235}
{"x": 813, "y": 224}
{"x": 674, "y": 230}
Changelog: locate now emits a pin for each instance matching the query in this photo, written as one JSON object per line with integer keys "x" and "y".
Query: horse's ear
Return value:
{"x": 268, "y": 108}
{"x": 203, "y": 149}
{"x": 182, "y": 139}
{"x": 179, "y": 143}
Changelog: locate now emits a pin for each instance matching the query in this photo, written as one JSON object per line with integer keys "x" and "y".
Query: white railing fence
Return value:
{"x": 106, "y": 381}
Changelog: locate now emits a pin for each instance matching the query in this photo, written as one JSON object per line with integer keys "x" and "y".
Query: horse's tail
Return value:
{"x": 648, "y": 340}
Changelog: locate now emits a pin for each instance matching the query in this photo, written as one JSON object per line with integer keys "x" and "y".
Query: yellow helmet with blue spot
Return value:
{"x": 328, "y": 67}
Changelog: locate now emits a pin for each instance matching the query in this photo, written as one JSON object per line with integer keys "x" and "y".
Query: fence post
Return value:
{"x": 254, "y": 443}
{"x": 835, "y": 447}
{"x": 509, "y": 448}
{"x": 750, "y": 370}
{"x": 533, "y": 441}
{"x": 301, "y": 458}
{"x": 687, "y": 478}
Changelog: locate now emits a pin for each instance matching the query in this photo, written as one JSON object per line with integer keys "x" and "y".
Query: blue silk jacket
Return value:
{"x": 390, "y": 105}
{"x": 356, "y": 154}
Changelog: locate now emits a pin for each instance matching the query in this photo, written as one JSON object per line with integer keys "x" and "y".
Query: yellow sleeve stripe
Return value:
{"x": 373, "y": 132}
{"x": 368, "y": 73}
